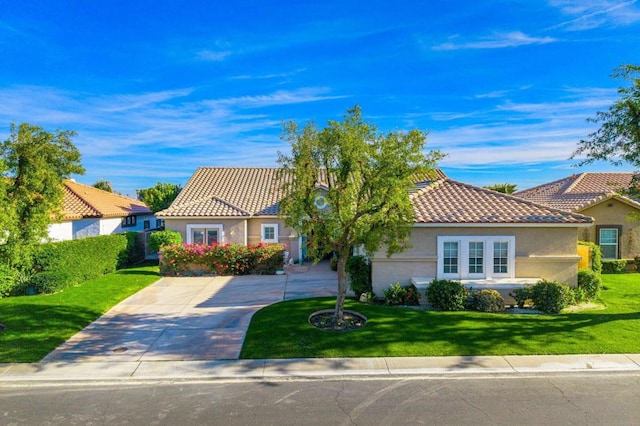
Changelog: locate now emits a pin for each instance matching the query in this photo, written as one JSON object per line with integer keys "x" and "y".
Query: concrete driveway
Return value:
{"x": 190, "y": 318}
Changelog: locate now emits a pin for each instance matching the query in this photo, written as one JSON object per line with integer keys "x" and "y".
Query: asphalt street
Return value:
{"x": 553, "y": 399}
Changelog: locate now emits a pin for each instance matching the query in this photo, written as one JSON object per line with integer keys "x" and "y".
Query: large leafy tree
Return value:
{"x": 505, "y": 188}
{"x": 348, "y": 185}
{"x": 104, "y": 185}
{"x": 160, "y": 196}
{"x": 36, "y": 162}
{"x": 618, "y": 138}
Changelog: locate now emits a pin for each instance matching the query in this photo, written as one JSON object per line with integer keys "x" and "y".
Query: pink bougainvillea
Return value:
{"x": 221, "y": 259}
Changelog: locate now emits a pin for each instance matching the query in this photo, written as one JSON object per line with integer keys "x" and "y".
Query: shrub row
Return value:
{"x": 220, "y": 259}
{"x": 164, "y": 238}
{"x": 359, "y": 272}
{"x": 546, "y": 296}
{"x": 58, "y": 265}
{"x": 614, "y": 266}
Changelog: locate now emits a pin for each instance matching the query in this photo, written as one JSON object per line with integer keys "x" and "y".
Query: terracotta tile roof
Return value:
{"x": 449, "y": 202}
{"x": 240, "y": 191}
{"x": 578, "y": 192}
{"x": 246, "y": 192}
{"x": 83, "y": 201}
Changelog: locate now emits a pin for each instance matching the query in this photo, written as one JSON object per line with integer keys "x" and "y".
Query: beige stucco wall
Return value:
{"x": 240, "y": 231}
{"x": 614, "y": 212}
{"x": 541, "y": 252}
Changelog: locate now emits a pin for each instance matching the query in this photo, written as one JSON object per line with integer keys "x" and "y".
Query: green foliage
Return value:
{"x": 487, "y": 300}
{"x": 7, "y": 280}
{"x": 104, "y": 185}
{"x": 164, "y": 238}
{"x": 348, "y": 185}
{"x": 67, "y": 263}
{"x": 550, "y": 296}
{"x": 589, "y": 283}
{"x": 614, "y": 266}
{"x": 636, "y": 261}
{"x": 221, "y": 259}
{"x": 596, "y": 256}
{"x": 618, "y": 138}
{"x": 505, "y": 188}
{"x": 160, "y": 196}
{"x": 36, "y": 162}
{"x": 333, "y": 263}
{"x": 403, "y": 296}
{"x": 521, "y": 295}
{"x": 359, "y": 271}
{"x": 447, "y": 295}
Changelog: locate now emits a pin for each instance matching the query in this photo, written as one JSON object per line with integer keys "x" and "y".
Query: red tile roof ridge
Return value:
{"x": 80, "y": 197}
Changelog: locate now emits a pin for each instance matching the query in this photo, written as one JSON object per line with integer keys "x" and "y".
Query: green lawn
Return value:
{"x": 35, "y": 325}
{"x": 282, "y": 331}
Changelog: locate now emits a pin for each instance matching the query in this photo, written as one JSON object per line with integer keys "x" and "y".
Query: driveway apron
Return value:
{"x": 190, "y": 318}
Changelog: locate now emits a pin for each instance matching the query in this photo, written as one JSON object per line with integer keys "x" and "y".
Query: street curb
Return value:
{"x": 271, "y": 369}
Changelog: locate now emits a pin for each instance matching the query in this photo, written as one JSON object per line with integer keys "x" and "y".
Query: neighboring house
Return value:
{"x": 598, "y": 195}
{"x": 484, "y": 239}
{"x": 461, "y": 232}
{"x": 89, "y": 212}
{"x": 231, "y": 205}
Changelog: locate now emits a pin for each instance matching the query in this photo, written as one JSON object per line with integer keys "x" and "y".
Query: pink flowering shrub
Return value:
{"x": 220, "y": 259}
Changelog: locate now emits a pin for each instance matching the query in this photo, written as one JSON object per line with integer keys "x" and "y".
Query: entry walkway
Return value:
{"x": 190, "y": 318}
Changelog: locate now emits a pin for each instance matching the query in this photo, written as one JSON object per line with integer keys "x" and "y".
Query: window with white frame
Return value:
{"x": 609, "y": 241}
{"x": 479, "y": 257}
{"x": 207, "y": 234}
{"x": 269, "y": 233}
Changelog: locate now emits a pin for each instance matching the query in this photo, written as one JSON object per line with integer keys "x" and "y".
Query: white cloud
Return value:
{"x": 589, "y": 14}
{"x": 212, "y": 55}
{"x": 495, "y": 41}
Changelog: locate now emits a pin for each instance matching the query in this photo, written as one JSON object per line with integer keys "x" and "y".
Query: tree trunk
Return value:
{"x": 342, "y": 287}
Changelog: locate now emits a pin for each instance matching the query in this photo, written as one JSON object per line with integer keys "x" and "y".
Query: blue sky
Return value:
{"x": 156, "y": 89}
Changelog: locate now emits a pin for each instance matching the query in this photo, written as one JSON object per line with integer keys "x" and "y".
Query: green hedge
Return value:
{"x": 163, "y": 238}
{"x": 67, "y": 263}
{"x": 596, "y": 255}
{"x": 221, "y": 259}
{"x": 359, "y": 272}
{"x": 614, "y": 266}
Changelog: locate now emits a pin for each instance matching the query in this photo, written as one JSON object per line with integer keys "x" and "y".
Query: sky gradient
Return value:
{"x": 155, "y": 89}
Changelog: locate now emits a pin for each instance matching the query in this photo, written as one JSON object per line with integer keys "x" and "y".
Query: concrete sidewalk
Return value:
{"x": 335, "y": 368}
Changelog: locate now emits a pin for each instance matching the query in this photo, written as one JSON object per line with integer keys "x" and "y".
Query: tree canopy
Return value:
{"x": 348, "y": 185}
{"x": 618, "y": 138}
{"x": 160, "y": 196}
{"x": 103, "y": 184}
{"x": 505, "y": 188}
{"x": 35, "y": 163}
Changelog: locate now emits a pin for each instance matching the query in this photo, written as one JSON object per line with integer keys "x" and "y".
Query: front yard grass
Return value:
{"x": 282, "y": 330}
{"x": 35, "y": 325}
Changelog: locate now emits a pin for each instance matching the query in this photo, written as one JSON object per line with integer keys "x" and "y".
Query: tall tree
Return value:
{"x": 103, "y": 184}
{"x": 505, "y": 188}
{"x": 160, "y": 196}
{"x": 36, "y": 163}
{"x": 348, "y": 185}
{"x": 618, "y": 138}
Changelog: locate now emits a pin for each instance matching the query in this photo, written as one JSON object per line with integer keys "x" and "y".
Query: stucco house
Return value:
{"x": 598, "y": 195}
{"x": 481, "y": 237}
{"x": 89, "y": 212}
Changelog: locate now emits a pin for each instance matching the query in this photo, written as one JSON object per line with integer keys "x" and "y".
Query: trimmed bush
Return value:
{"x": 636, "y": 262}
{"x": 614, "y": 266}
{"x": 68, "y": 263}
{"x": 590, "y": 283}
{"x": 521, "y": 295}
{"x": 487, "y": 300}
{"x": 404, "y": 296}
{"x": 550, "y": 296}
{"x": 596, "y": 256}
{"x": 221, "y": 259}
{"x": 447, "y": 295}
{"x": 163, "y": 238}
{"x": 359, "y": 272}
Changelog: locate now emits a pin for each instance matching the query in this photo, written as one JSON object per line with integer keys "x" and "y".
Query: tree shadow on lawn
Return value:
{"x": 33, "y": 330}
{"x": 394, "y": 331}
